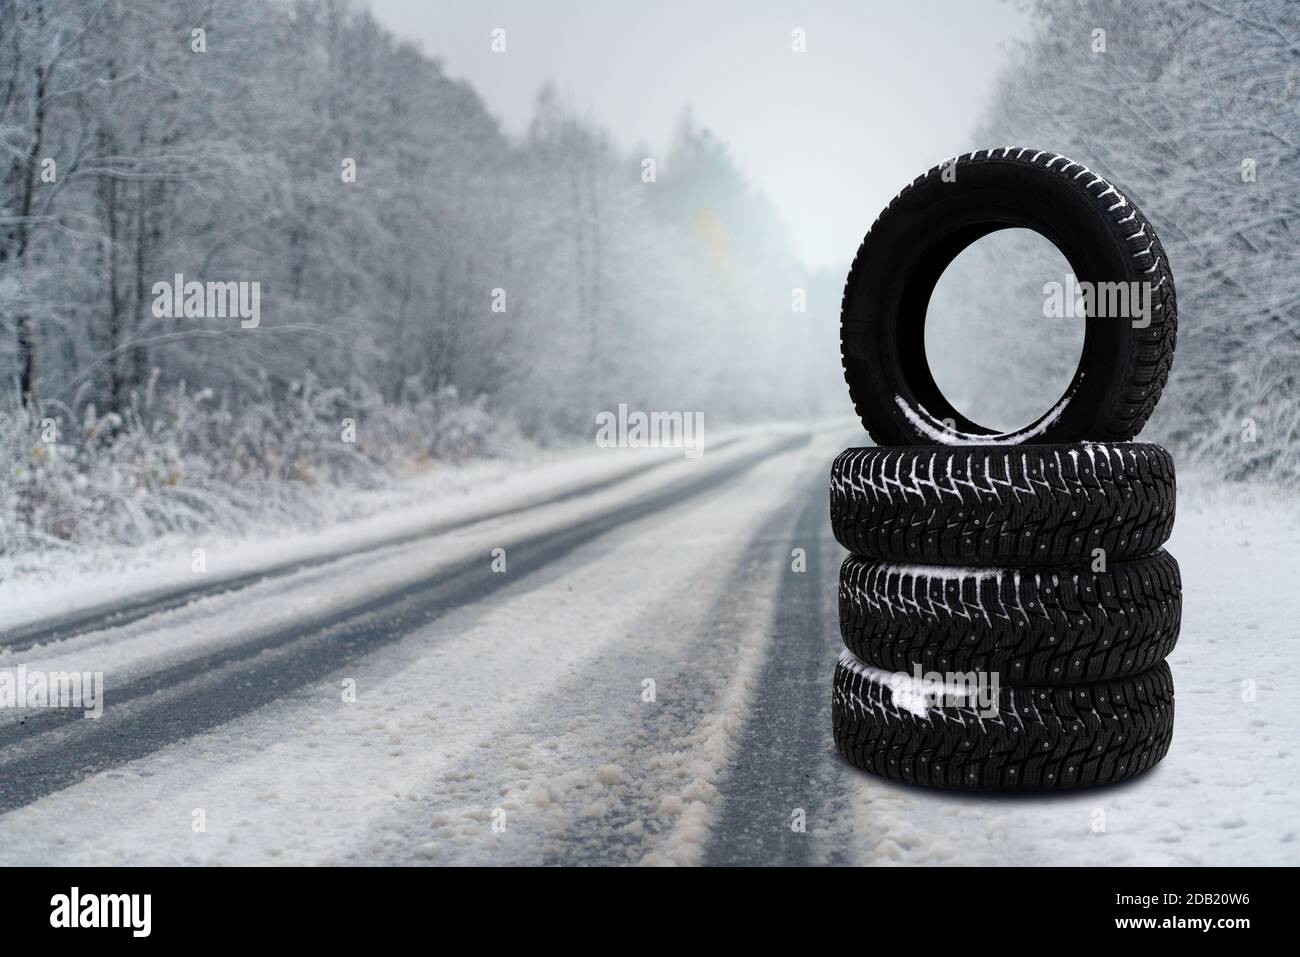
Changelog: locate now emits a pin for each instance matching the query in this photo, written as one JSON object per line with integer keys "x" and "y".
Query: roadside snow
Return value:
{"x": 59, "y": 583}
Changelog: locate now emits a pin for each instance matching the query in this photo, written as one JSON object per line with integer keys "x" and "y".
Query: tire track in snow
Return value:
{"x": 717, "y": 774}
{"x": 590, "y": 773}
{"x": 785, "y": 758}
{"x": 54, "y": 749}
{"x": 691, "y": 686}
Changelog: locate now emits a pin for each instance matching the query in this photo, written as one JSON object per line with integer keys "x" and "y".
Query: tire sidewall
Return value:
{"x": 908, "y": 249}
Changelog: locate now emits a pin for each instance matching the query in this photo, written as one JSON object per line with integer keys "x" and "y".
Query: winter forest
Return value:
{"x": 448, "y": 290}
{"x": 456, "y": 292}
{"x": 1194, "y": 107}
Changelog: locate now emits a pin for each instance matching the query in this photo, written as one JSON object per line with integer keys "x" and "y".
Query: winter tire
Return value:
{"x": 1040, "y": 739}
{"x": 999, "y": 505}
{"x": 1063, "y": 625}
{"x": 1102, "y": 234}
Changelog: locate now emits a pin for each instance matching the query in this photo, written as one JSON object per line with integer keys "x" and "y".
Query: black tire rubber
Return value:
{"x": 1001, "y": 505}
{"x": 1042, "y": 739}
{"x": 1032, "y": 626}
{"x": 1102, "y": 234}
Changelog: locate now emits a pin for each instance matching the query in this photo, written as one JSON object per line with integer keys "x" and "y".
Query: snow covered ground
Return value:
{"x": 646, "y": 681}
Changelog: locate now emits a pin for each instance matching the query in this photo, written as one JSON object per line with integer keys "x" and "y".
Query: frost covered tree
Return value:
{"x": 1193, "y": 106}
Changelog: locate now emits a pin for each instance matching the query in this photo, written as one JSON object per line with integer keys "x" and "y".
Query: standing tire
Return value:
{"x": 995, "y": 505}
{"x": 1040, "y": 739}
{"x": 1102, "y": 234}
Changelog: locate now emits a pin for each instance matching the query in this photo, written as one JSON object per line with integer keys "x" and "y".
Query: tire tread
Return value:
{"x": 1042, "y": 739}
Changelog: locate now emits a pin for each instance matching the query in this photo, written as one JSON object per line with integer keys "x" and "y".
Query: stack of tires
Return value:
{"x": 1007, "y": 606}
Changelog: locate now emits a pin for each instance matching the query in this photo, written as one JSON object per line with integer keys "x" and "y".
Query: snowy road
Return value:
{"x": 646, "y": 681}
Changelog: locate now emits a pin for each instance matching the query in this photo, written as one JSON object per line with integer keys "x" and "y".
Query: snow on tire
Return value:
{"x": 1028, "y": 739}
{"x": 1109, "y": 244}
{"x": 1061, "y": 625}
{"x": 1000, "y": 505}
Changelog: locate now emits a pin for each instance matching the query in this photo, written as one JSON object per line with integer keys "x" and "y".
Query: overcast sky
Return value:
{"x": 884, "y": 91}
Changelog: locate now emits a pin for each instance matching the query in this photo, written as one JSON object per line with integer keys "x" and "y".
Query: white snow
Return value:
{"x": 60, "y": 583}
{"x": 913, "y": 695}
{"x": 933, "y": 429}
{"x": 947, "y": 573}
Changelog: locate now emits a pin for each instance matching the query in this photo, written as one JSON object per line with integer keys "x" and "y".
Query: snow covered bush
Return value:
{"x": 183, "y": 460}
